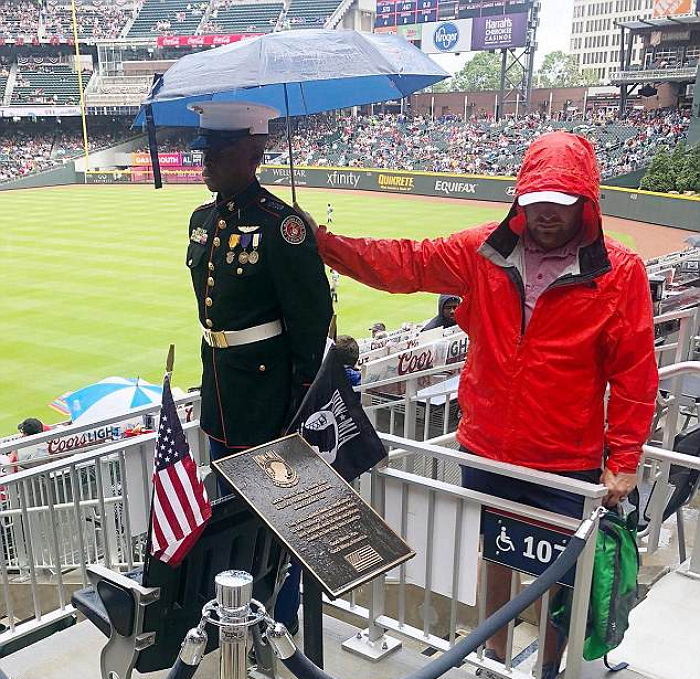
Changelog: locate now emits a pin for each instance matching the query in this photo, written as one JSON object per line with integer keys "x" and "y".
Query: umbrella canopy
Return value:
{"x": 111, "y": 396}
{"x": 298, "y": 72}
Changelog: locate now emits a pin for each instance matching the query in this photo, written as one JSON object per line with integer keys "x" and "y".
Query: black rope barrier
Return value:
{"x": 303, "y": 668}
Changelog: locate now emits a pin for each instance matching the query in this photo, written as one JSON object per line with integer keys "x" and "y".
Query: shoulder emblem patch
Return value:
{"x": 271, "y": 203}
{"x": 293, "y": 230}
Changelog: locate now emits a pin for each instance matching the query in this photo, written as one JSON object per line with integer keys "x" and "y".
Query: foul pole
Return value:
{"x": 79, "y": 69}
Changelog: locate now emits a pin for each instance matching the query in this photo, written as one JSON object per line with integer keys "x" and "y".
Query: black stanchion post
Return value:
{"x": 313, "y": 620}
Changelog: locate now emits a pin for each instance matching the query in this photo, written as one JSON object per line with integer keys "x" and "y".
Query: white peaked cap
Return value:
{"x": 547, "y": 197}
{"x": 234, "y": 116}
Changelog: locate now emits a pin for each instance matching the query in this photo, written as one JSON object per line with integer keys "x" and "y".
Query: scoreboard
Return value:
{"x": 392, "y": 13}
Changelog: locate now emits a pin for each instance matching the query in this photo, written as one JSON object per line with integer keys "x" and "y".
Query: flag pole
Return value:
{"x": 169, "y": 363}
{"x": 170, "y": 360}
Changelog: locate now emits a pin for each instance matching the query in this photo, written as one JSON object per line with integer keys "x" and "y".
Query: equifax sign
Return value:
{"x": 448, "y": 187}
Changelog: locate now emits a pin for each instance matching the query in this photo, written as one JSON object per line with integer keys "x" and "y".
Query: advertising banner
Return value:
{"x": 664, "y": 8}
{"x": 499, "y": 32}
{"x": 423, "y": 184}
{"x": 202, "y": 40}
{"x": 165, "y": 159}
{"x": 38, "y": 111}
{"x": 448, "y": 36}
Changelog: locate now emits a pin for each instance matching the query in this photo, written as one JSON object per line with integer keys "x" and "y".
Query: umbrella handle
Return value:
{"x": 289, "y": 146}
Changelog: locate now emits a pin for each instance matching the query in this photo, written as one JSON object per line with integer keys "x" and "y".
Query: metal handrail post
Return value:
{"x": 376, "y": 602}
{"x": 410, "y": 409}
{"x": 581, "y": 598}
{"x": 694, "y": 564}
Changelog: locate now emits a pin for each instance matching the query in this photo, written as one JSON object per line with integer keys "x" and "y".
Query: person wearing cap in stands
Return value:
{"x": 556, "y": 313}
{"x": 377, "y": 328}
{"x": 262, "y": 293}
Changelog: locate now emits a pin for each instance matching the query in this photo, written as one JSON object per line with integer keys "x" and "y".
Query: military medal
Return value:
{"x": 254, "y": 257}
{"x": 233, "y": 241}
{"x": 199, "y": 235}
{"x": 229, "y": 257}
{"x": 243, "y": 256}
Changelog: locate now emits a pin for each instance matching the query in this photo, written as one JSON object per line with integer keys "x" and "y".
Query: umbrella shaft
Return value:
{"x": 289, "y": 146}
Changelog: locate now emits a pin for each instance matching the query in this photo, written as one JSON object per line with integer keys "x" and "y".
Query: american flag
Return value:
{"x": 180, "y": 507}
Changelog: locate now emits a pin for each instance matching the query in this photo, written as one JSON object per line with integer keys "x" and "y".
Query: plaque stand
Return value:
{"x": 376, "y": 650}
{"x": 313, "y": 619}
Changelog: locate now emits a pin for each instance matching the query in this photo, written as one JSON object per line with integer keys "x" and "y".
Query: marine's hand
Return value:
{"x": 310, "y": 221}
{"x": 619, "y": 486}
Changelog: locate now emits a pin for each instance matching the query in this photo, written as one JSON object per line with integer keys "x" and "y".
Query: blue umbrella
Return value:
{"x": 299, "y": 72}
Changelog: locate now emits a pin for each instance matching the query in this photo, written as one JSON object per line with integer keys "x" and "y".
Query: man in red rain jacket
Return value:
{"x": 555, "y": 313}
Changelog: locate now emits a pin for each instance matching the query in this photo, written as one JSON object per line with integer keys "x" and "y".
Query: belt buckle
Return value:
{"x": 217, "y": 339}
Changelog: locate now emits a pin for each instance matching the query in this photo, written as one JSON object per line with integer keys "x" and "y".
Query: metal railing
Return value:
{"x": 58, "y": 517}
{"x": 654, "y": 74}
{"x": 442, "y": 565}
{"x": 416, "y": 410}
{"x": 659, "y": 459}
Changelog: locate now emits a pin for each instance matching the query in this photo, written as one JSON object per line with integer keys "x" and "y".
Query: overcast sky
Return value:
{"x": 553, "y": 34}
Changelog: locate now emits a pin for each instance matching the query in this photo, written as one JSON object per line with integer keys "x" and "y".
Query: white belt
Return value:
{"x": 221, "y": 339}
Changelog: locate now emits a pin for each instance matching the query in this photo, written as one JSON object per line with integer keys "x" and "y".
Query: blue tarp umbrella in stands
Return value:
{"x": 299, "y": 72}
{"x": 111, "y": 396}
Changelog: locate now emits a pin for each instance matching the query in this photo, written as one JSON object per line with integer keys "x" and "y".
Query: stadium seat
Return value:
{"x": 310, "y": 13}
{"x": 50, "y": 85}
{"x": 248, "y": 17}
{"x": 146, "y": 613}
{"x": 172, "y": 13}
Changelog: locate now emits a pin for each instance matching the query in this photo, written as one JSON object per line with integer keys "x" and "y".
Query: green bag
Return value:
{"x": 613, "y": 587}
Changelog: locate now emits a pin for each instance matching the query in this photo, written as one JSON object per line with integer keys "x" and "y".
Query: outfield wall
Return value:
{"x": 645, "y": 206}
{"x": 54, "y": 177}
{"x": 654, "y": 208}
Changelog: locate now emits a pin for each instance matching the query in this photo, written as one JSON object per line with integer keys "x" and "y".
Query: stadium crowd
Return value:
{"x": 97, "y": 19}
{"x": 29, "y": 148}
{"x": 400, "y": 142}
{"x": 475, "y": 146}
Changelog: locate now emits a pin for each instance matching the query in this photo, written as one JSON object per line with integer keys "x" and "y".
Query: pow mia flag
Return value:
{"x": 331, "y": 420}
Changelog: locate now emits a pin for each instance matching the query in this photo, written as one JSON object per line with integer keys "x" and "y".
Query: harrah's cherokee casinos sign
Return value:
{"x": 498, "y": 32}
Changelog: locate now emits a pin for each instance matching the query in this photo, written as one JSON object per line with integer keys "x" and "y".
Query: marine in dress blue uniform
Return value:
{"x": 262, "y": 295}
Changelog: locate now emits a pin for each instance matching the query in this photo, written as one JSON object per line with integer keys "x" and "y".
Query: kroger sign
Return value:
{"x": 446, "y": 37}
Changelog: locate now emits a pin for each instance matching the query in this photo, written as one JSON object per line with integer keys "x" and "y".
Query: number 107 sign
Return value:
{"x": 523, "y": 545}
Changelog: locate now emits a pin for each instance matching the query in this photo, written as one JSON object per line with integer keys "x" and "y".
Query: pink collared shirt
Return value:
{"x": 543, "y": 267}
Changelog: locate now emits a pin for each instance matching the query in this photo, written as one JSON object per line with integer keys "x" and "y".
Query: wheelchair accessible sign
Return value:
{"x": 524, "y": 545}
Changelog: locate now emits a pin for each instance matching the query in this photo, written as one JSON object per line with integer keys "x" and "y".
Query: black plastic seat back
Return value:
{"x": 234, "y": 539}
{"x": 119, "y": 604}
{"x": 684, "y": 480}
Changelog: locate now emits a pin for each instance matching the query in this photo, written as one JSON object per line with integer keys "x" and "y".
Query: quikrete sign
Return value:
{"x": 395, "y": 182}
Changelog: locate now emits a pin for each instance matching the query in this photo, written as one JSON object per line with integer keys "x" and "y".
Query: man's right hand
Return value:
{"x": 310, "y": 221}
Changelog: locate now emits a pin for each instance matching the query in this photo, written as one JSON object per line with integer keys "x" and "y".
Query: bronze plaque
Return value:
{"x": 330, "y": 529}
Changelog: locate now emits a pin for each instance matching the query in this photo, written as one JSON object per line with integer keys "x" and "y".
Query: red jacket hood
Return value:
{"x": 565, "y": 162}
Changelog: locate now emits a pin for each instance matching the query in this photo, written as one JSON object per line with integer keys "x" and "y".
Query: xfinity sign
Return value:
{"x": 342, "y": 179}
{"x": 446, "y": 37}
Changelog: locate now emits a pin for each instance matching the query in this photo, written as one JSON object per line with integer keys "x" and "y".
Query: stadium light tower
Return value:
{"x": 517, "y": 76}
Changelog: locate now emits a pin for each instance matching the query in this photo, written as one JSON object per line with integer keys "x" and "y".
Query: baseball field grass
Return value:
{"x": 93, "y": 282}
